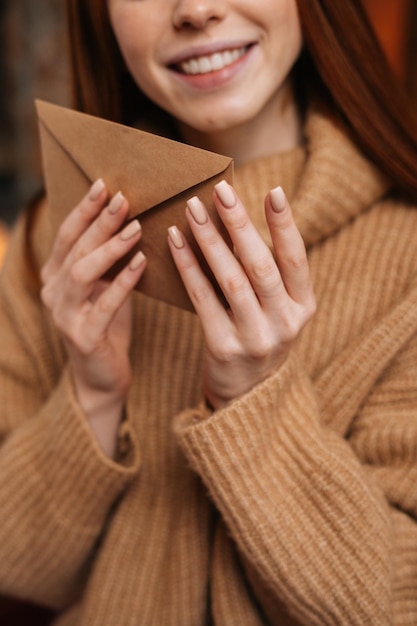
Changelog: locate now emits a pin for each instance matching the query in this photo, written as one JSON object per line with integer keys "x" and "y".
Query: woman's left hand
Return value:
{"x": 270, "y": 295}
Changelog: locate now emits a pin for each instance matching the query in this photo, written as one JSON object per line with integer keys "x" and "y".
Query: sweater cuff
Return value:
{"x": 234, "y": 438}
{"x": 263, "y": 397}
{"x": 81, "y": 482}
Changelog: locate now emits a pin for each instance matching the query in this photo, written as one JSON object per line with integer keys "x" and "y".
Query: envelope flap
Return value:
{"x": 99, "y": 147}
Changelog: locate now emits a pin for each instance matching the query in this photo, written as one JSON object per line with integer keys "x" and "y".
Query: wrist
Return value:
{"x": 103, "y": 411}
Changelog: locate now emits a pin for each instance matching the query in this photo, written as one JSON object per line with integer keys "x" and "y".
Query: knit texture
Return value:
{"x": 295, "y": 504}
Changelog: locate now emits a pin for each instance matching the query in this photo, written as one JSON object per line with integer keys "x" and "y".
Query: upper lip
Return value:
{"x": 206, "y": 50}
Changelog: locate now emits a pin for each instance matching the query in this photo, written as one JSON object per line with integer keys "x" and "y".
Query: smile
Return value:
{"x": 212, "y": 62}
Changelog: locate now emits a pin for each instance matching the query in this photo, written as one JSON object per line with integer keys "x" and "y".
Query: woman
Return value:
{"x": 247, "y": 465}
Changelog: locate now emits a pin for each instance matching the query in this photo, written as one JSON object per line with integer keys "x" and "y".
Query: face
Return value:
{"x": 212, "y": 64}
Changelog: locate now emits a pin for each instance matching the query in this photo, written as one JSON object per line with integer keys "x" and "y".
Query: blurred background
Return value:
{"x": 33, "y": 65}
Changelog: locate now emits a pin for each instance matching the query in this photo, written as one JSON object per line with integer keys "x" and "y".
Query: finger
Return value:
{"x": 253, "y": 252}
{"x": 226, "y": 268}
{"x": 103, "y": 227}
{"x": 92, "y": 267}
{"x": 107, "y": 305}
{"x": 289, "y": 247}
{"x": 75, "y": 225}
{"x": 69, "y": 291}
{"x": 211, "y": 312}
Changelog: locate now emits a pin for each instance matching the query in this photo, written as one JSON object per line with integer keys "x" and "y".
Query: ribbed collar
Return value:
{"x": 328, "y": 181}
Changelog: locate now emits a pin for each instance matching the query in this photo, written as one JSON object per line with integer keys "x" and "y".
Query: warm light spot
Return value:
{"x": 3, "y": 242}
{"x": 389, "y": 18}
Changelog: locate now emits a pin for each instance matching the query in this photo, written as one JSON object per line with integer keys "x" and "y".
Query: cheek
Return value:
{"x": 284, "y": 21}
{"x": 134, "y": 42}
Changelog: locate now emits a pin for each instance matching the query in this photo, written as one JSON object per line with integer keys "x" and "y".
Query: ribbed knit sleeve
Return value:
{"x": 57, "y": 487}
{"x": 297, "y": 501}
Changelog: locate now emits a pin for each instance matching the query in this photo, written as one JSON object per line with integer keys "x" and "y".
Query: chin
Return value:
{"x": 220, "y": 123}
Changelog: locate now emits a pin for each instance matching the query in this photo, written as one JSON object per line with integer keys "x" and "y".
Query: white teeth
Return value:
{"x": 216, "y": 61}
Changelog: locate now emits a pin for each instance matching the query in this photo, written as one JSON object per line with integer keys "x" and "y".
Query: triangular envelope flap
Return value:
{"x": 162, "y": 167}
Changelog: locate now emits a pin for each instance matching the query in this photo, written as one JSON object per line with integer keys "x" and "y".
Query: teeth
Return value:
{"x": 216, "y": 61}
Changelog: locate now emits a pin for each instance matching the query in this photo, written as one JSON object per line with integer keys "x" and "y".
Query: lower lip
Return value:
{"x": 218, "y": 78}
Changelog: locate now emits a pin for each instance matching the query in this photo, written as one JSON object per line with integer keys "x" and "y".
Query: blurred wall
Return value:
{"x": 32, "y": 65}
{"x": 395, "y": 22}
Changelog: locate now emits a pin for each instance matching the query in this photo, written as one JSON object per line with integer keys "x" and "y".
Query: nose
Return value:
{"x": 197, "y": 13}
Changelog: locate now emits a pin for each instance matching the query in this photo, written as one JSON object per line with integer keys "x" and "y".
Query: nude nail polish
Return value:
{"x": 96, "y": 189}
{"x": 137, "y": 261}
{"x": 130, "y": 230}
{"x": 226, "y": 194}
{"x": 197, "y": 210}
{"x": 116, "y": 203}
{"x": 278, "y": 199}
{"x": 176, "y": 237}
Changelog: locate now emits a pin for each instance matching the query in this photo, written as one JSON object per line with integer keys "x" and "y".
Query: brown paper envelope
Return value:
{"x": 157, "y": 176}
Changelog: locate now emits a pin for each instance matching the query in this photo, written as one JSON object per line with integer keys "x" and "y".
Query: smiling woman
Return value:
{"x": 226, "y": 78}
{"x": 233, "y": 464}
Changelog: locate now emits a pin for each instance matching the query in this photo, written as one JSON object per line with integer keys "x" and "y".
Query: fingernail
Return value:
{"x": 116, "y": 203}
{"x": 278, "y": 199}
{"x": 197, "y": 210}
{"x": 130, "y": 230}
{"x": 176, "y": 237}
{"x": 137, "y": 261}
{"x": 96, "y": 189}
{"x": 226, "y": 194}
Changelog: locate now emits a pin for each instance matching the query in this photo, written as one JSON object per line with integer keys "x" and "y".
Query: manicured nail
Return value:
{"x": 226, "y": 194}
{"x": 137, "y": 261}
{"x": 278, "y": 199}
{"x": 197, "y": 210}
{"x": 176, "y": 237}
{"x": 96, "y": 189}
{"x": 116, "y": 203}
{"x": 130, "y": 230}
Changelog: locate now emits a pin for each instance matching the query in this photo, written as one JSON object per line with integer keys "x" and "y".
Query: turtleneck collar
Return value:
{"x": 328, "y": 181}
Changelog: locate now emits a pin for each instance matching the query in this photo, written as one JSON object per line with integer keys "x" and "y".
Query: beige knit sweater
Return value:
{"x": 296, "y": 504}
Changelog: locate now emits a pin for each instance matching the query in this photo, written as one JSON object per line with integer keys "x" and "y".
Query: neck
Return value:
{"x": 277, "y": 128}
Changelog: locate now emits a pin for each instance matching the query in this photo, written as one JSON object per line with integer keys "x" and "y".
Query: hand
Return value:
{"x": 270, "y": 295}
{"x": 92, "y": 314}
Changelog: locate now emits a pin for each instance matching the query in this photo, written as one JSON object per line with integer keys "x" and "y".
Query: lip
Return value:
{"x": 217, "y": 78}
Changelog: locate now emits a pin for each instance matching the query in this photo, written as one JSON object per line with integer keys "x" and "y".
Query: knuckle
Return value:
{"x": 76, "y": 274}
{"x": 238, "y": 220}
{"x": 85, "y": 209}
{"x": 102, "y": 225}
{"x": 226, "y": 351}
{"x": 295, "y": 262}
{"x": 262, "y": 348}
{"x": 235, "y": 284}
{"x": 210, "y": 239}
{"x": 105, "y": 305}
{"x": 46, "y": 296}
{"x": 290, "y": 329}
{"x": 200, "y": 294}
{"x": 283, "y": 221}
{"x": 264, "y": 268}
{"x": 64, "y": 236}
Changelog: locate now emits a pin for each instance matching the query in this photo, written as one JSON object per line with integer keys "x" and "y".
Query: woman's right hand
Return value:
{"x": 93, "y": 314}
